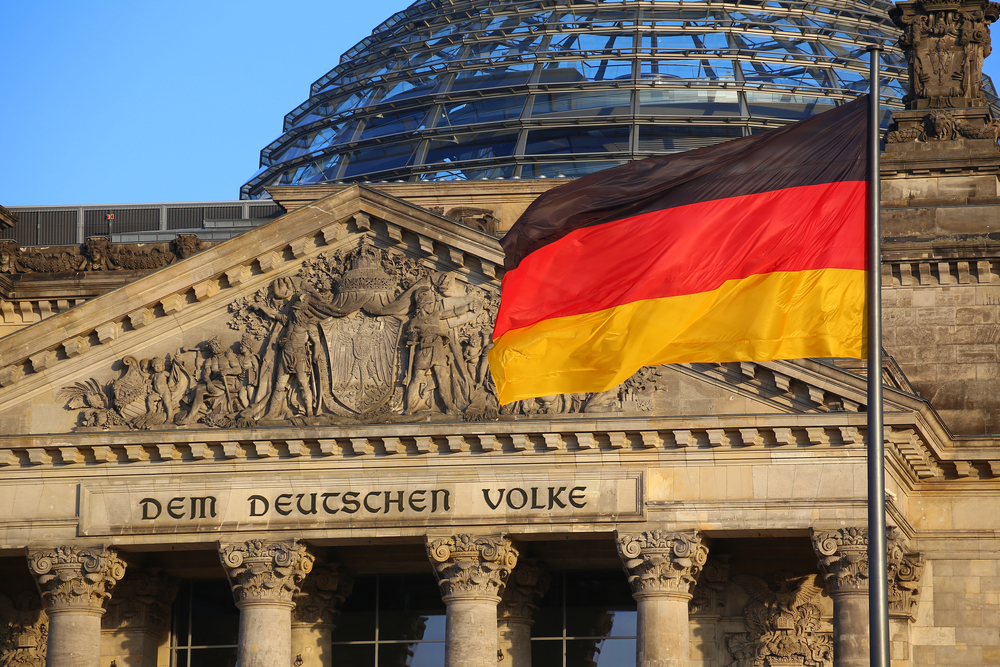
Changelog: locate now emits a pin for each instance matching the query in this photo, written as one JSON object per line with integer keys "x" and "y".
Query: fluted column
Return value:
{"x": 138, "y": 617}
{"x": 662, "y": 568}
{"x": 264, "y": 576}
{"x": 525, "y": 586}
{"x": 843, "y": 559}
{"x": 316, "y": 602}
{"x": 471, "y": 571}
{"x": 75, "y": 583}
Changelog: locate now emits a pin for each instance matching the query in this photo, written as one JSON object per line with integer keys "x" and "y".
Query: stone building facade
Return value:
{"x": 285, "y": 449}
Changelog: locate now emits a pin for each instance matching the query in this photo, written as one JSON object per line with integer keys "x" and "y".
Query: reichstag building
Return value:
{"x": 264, "y": 432}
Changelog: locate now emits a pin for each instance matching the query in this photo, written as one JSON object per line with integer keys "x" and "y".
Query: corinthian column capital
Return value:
{"x": 472, "y": 566}
{"x": 843, "y": 558}
{"x": 261, "y": 571}
{"x": 661, "y": 563}
{"x": 320, "y": 595}
{"x": 76, "y": 578}
{"x": 525, "y": 587}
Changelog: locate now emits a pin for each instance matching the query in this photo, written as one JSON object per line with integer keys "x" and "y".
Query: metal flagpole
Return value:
{"x": 878, "y": 587}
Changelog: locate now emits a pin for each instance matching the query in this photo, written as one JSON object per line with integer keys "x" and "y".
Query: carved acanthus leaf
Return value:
{"x": 265, "y": 571}
{"x": 320, "y": 594}
{"x": 526, "y": 585}
{"x": 660, "y": 563}
{"x": 76, "y": 577}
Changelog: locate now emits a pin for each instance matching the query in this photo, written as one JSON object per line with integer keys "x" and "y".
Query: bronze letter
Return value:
{"x": 389, "y": 501}
{"x": 554, "y": 497}
{"x": 326, "y": 508}
{"x": 493, "y": 505}
{"x": 350, "y": 501}
{"x": 173, "y": 508}
{"x": 298, "y": 504}
{"x": 524, "y": 498}
{"x": 253, "y": 505}
{"x": 146, "y": 502}
{"x": 413, "y": 497}
{"x": 573, "y": 497}
{"x": 281, "y": 502}
{"x": 434, "y": 499}
{"x": 534, "y": 499}
{"x": 196, "y": 502}
{"x": 373, "y": 510}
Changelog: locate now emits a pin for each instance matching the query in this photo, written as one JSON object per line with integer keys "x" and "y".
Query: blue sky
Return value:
{"x": 120, "y": 102}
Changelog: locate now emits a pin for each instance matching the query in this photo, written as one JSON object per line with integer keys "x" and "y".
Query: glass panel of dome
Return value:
{"x": 555, "y": 141}
{"x": 379, "y": 158}
{"x": 587, "y": 104}
{"x": 791, "y": 107}
{"x": 715, "y": 70}
{"x": 501, "y": 48}
{"x": 654, "y": 42}
{"x": 508, "y": 75}
{"x": 400, "y": 89}
{"x": 461, "y": 147}
{"x": 672, "y": 138}
{"x": 568, "y": 169}
{"x": 586, "y": 70}
{"x": 666, "y": 102}
{"x": 487, "y": 110}
{"x": 587, "y": 42}
{"x": 391, "y": 123}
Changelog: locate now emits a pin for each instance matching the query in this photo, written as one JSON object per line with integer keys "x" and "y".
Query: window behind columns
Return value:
{"x": 587, "y": 619}
{"x": 390, "y": 621}
{"x": 206, "y": 625}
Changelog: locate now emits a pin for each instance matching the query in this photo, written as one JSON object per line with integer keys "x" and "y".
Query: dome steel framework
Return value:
{"x": 459, "y": 89}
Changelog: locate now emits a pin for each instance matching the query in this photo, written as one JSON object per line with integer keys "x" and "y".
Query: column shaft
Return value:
{"x": 265, "y": 635}
{"x": 311, "y": 645}
{"x": 74, "y": 638}
{"x": 514, "y": 642}
{"x": 663, "y": 637}
{"x": 850, "y": 629}
{"x": 470, "y": 634}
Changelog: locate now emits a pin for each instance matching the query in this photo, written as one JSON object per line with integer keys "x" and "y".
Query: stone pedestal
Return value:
{"x": 326, "y": 587}
{"x": 843, "y": 559}
{"x": 662, "y": 568}
{"x": 264, "y": 576}
{"x": 525, "y": 586}
{"x": 472, "y": 572}
{"x": 75, "y": 584}
{"x": 138, "y": 618}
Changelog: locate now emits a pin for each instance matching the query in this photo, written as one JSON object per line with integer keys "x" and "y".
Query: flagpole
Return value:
{"x": 878, "y": 590}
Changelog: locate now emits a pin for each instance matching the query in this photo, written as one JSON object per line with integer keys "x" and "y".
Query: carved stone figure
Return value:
{"x": 782, "y": 621}
{"x": 24, "y": 629}
{"x": 186, "y": 245}
{"x": 478, "y": 218}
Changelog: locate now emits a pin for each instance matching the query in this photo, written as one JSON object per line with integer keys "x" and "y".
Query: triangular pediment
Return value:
{"x": 359, "y": 308}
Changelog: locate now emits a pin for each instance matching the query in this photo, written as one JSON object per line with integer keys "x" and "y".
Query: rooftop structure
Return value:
{"x": 524, "y": 89}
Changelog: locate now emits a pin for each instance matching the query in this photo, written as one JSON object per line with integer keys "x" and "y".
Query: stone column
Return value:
{"x": 138, "y": 617}
{"x": 662, "y": 568}
{"x": 472, "y": 572}
{"x": 526, "y": 585}
{"x": 264, "y": 576}
{"x": 76, "y": 583}
{"x": 326, "y": 587}
{"x": 843, "y": 559}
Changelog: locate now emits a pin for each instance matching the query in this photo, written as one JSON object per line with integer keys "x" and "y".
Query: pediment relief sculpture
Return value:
{"x": 97, "y": 254}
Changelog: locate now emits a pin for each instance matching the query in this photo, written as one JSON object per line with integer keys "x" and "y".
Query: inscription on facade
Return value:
{"x": 109, "y": 509}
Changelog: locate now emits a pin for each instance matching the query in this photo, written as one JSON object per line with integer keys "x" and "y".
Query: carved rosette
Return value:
{"x": 76, "y": 578}
{"x": 662, "y": 564}
{"x": 843, "y": 558}
{"x": 142, "y": 602}
{"x": 261, "y": 571}
{"x": 472, "y": 566}
{"x": 320, "y": 594}
{"x": 525, "y": 587}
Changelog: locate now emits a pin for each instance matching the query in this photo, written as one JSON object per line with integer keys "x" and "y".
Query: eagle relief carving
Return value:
{"x": 362, "y": 335}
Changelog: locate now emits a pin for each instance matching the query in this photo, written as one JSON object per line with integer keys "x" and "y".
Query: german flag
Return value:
{"x": 749, "y": 250}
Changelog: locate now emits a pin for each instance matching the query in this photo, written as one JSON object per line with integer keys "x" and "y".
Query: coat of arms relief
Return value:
{"x": 358, "y": 335}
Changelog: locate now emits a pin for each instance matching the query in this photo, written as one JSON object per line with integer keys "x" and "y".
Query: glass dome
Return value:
{"x": 460, "y": 89}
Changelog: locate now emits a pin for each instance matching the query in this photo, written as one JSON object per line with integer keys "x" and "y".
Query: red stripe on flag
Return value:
{"x": 686, "y": 250}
